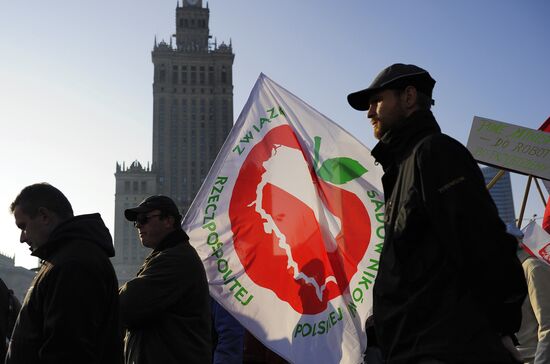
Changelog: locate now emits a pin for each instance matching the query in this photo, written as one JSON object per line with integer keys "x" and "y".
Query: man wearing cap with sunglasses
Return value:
{"x": 449, "y": 287}
{"x": 166, "y": 308}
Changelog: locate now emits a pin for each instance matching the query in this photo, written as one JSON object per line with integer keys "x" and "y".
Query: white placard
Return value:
{"x": 511, "y": 147}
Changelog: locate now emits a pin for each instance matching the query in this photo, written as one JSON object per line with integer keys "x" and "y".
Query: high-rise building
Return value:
{"x": 501, "y": 193}
{"x": 192, "y": 104}
{"x": 192, "y": 116}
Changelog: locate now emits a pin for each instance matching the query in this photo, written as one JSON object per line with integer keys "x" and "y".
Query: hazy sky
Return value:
{"x": 76, "y": 76}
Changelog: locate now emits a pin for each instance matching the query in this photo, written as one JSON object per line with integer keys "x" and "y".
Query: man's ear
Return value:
{"x": 47, "y": 217}
{"x": 170, "y": 220}
{"x": 44, "y": 214}
{"x": 410, "y": 94}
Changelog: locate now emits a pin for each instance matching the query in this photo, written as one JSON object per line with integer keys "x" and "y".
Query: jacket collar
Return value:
{"x": 89, "y": 227}
{"x": 174, "y": 238}
{"x": 398, "y": 142}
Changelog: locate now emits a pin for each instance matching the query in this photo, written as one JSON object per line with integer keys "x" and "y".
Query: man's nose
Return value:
{"x": 23, "y": 237}
{"x": 370, "y": 113}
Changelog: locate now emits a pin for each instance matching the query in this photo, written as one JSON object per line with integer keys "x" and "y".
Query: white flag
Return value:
{"x": 289, "y": 226}
{"x": 536, "y": 241}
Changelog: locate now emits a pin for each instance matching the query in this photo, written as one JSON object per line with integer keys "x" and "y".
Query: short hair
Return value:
{"x": 32, "y": 197}
{"x": 423, "y": 101}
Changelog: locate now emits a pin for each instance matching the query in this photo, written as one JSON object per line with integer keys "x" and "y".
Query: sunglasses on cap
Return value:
{"x": 144, "y": 219}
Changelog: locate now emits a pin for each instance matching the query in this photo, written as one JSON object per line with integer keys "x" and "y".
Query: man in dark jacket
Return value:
{"x": 449, "y": 287}
{"x": 166, "y": 308}
{"x": 70, "y": 312}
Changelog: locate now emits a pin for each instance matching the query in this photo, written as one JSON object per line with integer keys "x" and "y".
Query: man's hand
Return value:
{"x": 509, "y": 345}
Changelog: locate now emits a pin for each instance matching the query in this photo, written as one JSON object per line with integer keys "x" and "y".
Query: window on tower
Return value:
{"x": 162, "y": 73}
{"x": 201, "y": 75}
{"x": 210, "y": 75}
{"x": 193, "y": 75}
{"x": 184, "y": 74}
{"x": 224, "y": 75}
{"x": 175, "y": 75}
{"x": 184, "y": 106}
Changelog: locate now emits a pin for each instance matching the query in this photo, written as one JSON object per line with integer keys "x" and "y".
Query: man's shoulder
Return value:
{"x": 79, "y": 250}
{"x": 441, "y": 147}
{"x": 440, "y": 140}
{"x": 80, "y": 258}
{"x": 181, "y": 255}
{"x": 180, "y": 249}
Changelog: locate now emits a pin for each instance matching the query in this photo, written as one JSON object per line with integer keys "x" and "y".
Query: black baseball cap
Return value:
{"x": 158, "y": 202}
{"x": 397, "y": 76}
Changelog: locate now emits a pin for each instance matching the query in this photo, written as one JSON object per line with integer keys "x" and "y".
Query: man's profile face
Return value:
{"x": 35, "y": 231}
{"x": 385, "y": 111}
{"x": 153, "y": 227}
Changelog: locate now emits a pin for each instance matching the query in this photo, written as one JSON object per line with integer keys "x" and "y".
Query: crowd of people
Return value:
{"x": 451, "y": 286}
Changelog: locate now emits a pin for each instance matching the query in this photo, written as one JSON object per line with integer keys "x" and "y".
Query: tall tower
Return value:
{"x": 192, "y": 104}
{"x": 501, "y": 194}
{"x": 192, "y": 115}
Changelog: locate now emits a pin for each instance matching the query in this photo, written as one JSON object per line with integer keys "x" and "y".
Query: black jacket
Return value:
{"x": 70, "y": 312}
{"x": 449, "y": 283}
{"x": 166, "y": 308}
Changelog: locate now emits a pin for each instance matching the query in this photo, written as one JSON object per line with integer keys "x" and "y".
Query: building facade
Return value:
{"x": 133, "y": 185}
{"x": 192, "y": 116}
{"x": 18, "y": 279}
{"x": 501, "y": 193}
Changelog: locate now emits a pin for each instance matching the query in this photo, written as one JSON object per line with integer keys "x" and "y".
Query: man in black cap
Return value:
{"x": 449, "y": 287}
{"x": 166, "y": 308}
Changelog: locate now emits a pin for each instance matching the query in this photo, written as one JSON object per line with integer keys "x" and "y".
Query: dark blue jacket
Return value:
{"x": 229, "y": 336}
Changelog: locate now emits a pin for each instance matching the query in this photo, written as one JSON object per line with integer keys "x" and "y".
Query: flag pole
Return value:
{"x": 495, "y": 179}
{"x": 524, "y": 201}
{"x": 540, "y": 191}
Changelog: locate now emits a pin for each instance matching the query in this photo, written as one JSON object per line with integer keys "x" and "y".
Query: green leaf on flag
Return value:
{"x": 341, "y": 170}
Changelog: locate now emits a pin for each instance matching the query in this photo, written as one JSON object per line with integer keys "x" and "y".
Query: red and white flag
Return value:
{"x": 546, "y": 219}
{"x": 289, "y": 224}
{"x": 536, "y": 241}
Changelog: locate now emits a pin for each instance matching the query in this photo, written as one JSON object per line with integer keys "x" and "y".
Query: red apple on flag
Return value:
{"x": 306, "y": 252}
